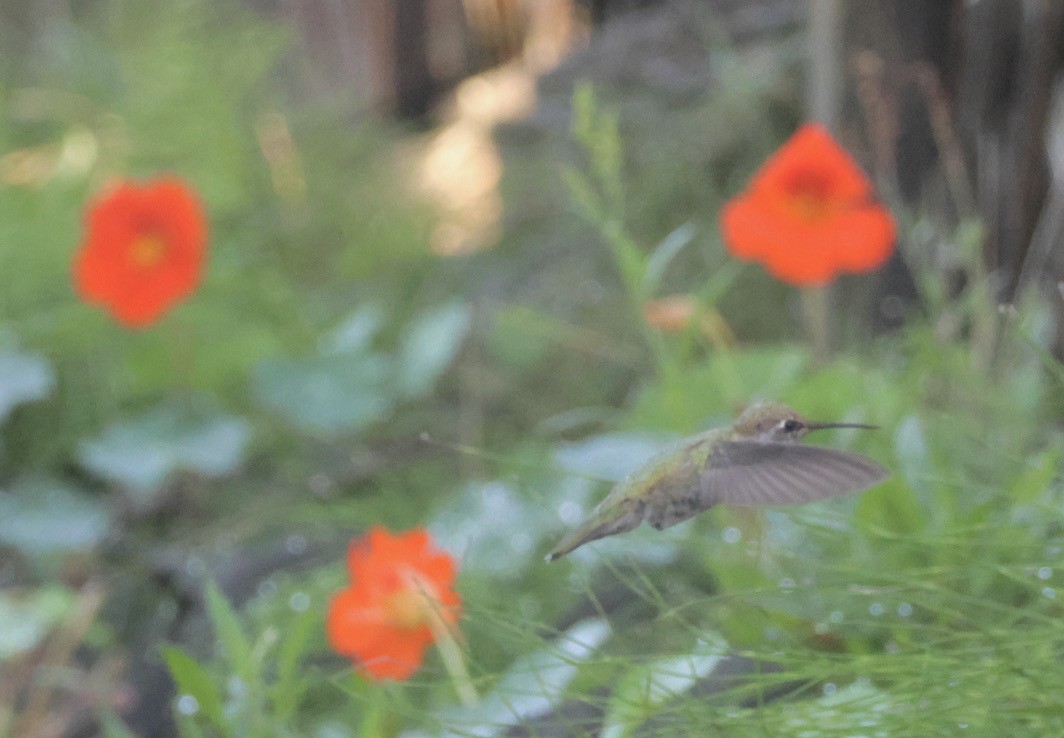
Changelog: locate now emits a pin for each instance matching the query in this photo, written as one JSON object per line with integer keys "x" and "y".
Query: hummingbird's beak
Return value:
{"x": 825, "y": 426}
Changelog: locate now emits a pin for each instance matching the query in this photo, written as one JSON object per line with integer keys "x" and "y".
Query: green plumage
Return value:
{"x": 756, "y": 461}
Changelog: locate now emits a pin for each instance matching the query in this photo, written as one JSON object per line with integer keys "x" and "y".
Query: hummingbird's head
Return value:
{"x": 776, "y": 423}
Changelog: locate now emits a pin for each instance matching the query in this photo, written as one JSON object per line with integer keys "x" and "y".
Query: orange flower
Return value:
{"x": 143, "y": 249}
{"x": 809, "y": 214}
{"x": 399, "y": 600}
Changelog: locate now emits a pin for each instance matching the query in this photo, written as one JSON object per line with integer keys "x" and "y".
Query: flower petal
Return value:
{"x": 862, "y": 239}
{"x": 808, "y": 215}
{"x": 108, "y": 269}
{"x": 398, "y": 657}
{"x": 380, "y": 554}
{"x": 813, "y": 150}
{"x": 382, "y": 620}
{"x": 747, "y": 233}
{"x": 356, "y": 628}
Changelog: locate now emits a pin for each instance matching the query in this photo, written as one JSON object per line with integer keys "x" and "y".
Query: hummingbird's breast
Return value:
{"x": 673, "y": 486}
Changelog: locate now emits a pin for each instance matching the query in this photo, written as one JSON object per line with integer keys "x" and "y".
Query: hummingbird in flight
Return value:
{"x": 754, "y": 462}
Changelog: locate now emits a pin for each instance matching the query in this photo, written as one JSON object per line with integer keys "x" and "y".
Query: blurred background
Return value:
{"x": 413, "y": 313}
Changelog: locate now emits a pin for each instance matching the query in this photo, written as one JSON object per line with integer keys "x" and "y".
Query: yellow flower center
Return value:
{"x": 809, "y": 207}
{"x": 147, "y": 251}
{"x": 411, "y": 606}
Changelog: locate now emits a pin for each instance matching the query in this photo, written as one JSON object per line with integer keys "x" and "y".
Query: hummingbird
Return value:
{"x": 757, "y": 461}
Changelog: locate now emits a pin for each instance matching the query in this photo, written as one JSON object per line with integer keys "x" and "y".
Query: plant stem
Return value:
{"x": 453, "y": 660}
{"x": 816, "y": 316}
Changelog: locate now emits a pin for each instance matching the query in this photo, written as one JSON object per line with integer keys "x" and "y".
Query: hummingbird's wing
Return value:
{"x": 751, "y": 473}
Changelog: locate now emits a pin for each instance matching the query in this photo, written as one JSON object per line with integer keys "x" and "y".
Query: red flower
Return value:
{"x": 143, "y": 249}
{"x": 809, "y": 214}
{"x": 399, "y": 600}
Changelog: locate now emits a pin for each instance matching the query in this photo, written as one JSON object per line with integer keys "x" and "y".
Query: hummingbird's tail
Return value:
{"x": 612, "y": 520}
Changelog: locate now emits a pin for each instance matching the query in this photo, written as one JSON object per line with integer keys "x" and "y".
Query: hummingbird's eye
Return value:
{"x": 790, "y": 426}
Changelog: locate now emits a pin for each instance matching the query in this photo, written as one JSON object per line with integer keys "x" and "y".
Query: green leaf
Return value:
{"x": 193, "y": 680}
{"x": 345, "y": 392}
{"x": 429, "y": 345}
{"x": 969, "y": 239}
{"x": 1049, "y": 361}
{"x": 891, "y": 506}
{"x": 598, "y": 131}
{"x": 234, "y": 643}
{"x": 23, "y": 378}
{"x": 286, "y": 687}
{"x": 1033, "y": 482}
{"x": 719, "y": 282}
{"x": 663, "y": 255}
{"x": 910, "y": 442}
{"x": 141, "y": 454}
{"x": 521, "y": 336}
{"x": 356, "y": 333}
{"x": 42, "y": 516}
{"x": 588, "y": 203}
{"x": 585, "y": 110}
